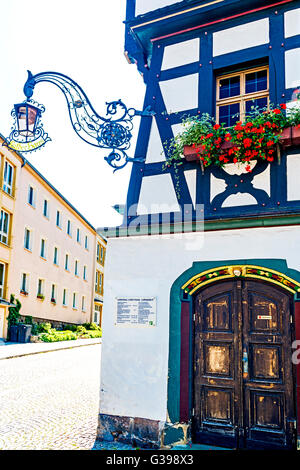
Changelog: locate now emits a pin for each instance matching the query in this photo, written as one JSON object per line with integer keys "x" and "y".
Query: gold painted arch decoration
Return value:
{"x": 240, "y": 271}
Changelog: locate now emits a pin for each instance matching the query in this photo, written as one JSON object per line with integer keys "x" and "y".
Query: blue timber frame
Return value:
{"x": 208, "y": 68}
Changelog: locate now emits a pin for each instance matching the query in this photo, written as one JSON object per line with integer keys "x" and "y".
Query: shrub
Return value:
{"x": 91, "y": 326}
{"x": 45, "y": 327}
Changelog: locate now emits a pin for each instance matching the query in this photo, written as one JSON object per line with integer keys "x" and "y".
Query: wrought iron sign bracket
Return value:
{"x": 111, "y": 132}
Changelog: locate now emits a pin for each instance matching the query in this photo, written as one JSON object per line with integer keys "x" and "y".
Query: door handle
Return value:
{"x": 245, "y": 363}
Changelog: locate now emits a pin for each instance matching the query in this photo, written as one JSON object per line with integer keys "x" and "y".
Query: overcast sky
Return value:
{"x": 84, "y": 40}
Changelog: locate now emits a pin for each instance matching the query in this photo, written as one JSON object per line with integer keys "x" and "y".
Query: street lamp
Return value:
{"x": 112, "y": 132}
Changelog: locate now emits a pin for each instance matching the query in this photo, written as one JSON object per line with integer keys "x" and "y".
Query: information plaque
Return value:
{"x": 135, "y": 311}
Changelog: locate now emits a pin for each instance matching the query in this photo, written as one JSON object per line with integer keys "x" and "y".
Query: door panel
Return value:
{"x": 216, "y": 395}
{"x": 243, "y": 381}
{"x": 268, "y": 386}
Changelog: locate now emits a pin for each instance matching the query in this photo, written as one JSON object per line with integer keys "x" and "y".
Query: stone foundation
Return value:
{"x": 139, "y": 432}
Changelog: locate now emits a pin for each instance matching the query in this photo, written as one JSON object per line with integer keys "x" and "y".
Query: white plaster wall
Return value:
{"x": 180, "y": 94}
{"x": 191, "y": 180}
{"x": 134, "y": 360}
{"x": 292, "y": 68}
{"x": 155, "y": 151}
{"x": 241, "y": 37}
{"x": 157, "y": 195}
{"x": 181, "y": 53}
{"x": 143, "y": 6}
{"x": 293, "y": 172}
{"x": 292, "y": 22}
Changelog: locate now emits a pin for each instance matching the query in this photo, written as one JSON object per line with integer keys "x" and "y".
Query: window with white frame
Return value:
{"x": 41, "y": 288}
{"x": 58, "y": 219}
{"x": 76, "y": 267}
{"x": 28, "y": 239}
{"x": 69, "y": 228}
{"x": 65, "y": 297}
{"x": 4, "y": 226}
{"x": 53, "y": 293}
{"x": 2, "y": 280}
{"x": 31, "y": 196}
{"x": 74, "y": 300}
{"x": 55, "y": 256}
{"x": 8, "y": 178}
{"x": 46, "y": 208}
{"x": 67, "y": 262}
{"x": 86, "y": 243}
{"x": 85, "y": 273}
{"x": 83, "y": 308}
{"x": 24, "y": 283}
{"x": 78, "y": 237}
{"x": 43, "y": 248}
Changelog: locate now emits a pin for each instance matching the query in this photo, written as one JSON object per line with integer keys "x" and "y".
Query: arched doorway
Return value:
{"x": 243, "y": 378}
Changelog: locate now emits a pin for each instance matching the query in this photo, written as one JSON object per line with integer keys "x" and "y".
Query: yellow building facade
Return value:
{"x": 48, "y": 250}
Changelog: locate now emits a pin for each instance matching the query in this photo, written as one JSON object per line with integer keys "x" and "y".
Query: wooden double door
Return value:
{"x": 243, "y": 373}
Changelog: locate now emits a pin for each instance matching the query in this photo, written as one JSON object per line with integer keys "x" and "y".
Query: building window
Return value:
{"x": 76, "y": 267}
{"x": 55, "y": 256}
{"x": 239, "y": 92}
{"x": 53, "y": 294}
{"x": 83, "y": 304}
{"x": 58, "y": 219}
{"x": 27, "y": 239}
{"x": 84, "y": 273}
{"x": 74, "y": 300}
{"x": 2, "y": 280}
{"x": 99, "y": 283}
{"x": 78, "y": 238}
{"x": 86, "y": 243}
{"x": 4, "y": 227}
{"x": 46, "y": 208}
{"x": 24, "y": 283}
{"x": 8, "y": 178}
{"x": 31, "y": 196}
{"x": 98, "y": 252}
{"x": 102, "y": 255}
{"x": 43, "y": 248}
{"x": 65, "y": 297}
{"x": 67, "y": 262}
{"x": 41, "y": 288}
{"x": 69, "y": 228}
{"x": 98, "y": 314}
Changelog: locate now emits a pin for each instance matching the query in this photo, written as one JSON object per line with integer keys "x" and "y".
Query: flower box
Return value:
{"x": 23, "y": 292}
{"x": 288, "y": 137}
{"x": 296, "y": 135}
{"x": 285, "y": 138}
{"x": 191, "y": 152}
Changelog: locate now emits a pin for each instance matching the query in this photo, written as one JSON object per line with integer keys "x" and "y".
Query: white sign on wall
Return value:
{"x": 135, "y": 311}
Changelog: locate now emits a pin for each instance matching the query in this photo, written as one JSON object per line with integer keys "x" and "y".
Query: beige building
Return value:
{"x": 51, "y": 257}
{"x": 99, "y": 278}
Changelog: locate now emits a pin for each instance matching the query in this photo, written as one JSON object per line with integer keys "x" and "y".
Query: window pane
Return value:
{"x": 229, "y": 114}
{"x": 256, "y": 81}
{"x": 229, "y": 87}
{"x": 259, "y": 103}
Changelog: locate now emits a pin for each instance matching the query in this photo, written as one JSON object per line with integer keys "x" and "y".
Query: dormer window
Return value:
{"x": 237, "y": 93}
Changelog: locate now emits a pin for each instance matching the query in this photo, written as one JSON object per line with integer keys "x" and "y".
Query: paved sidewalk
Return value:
{"x": 9, "y": 350}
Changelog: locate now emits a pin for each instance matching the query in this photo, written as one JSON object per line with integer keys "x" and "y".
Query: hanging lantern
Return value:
{"x": 27, "y": 133}
{"x": 27, "y": 117}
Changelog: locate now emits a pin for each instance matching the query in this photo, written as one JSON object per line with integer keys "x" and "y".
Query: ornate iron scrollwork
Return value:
{"x": 110, "y": 132}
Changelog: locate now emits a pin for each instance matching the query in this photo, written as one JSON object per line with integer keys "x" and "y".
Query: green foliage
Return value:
{"x": 28, "y": 320}
{"x": 255, "y": 138}
{"x": 91, "y": 326}
{"x": 45, "y": 327}
{"x": 73, "y": 332}
{"x": 14, "y": 312}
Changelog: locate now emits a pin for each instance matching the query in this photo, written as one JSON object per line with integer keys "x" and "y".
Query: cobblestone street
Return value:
{"x": 50, "y": 400}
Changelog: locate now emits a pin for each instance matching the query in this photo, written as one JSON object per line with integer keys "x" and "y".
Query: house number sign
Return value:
{"x": 135, "y": 311}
